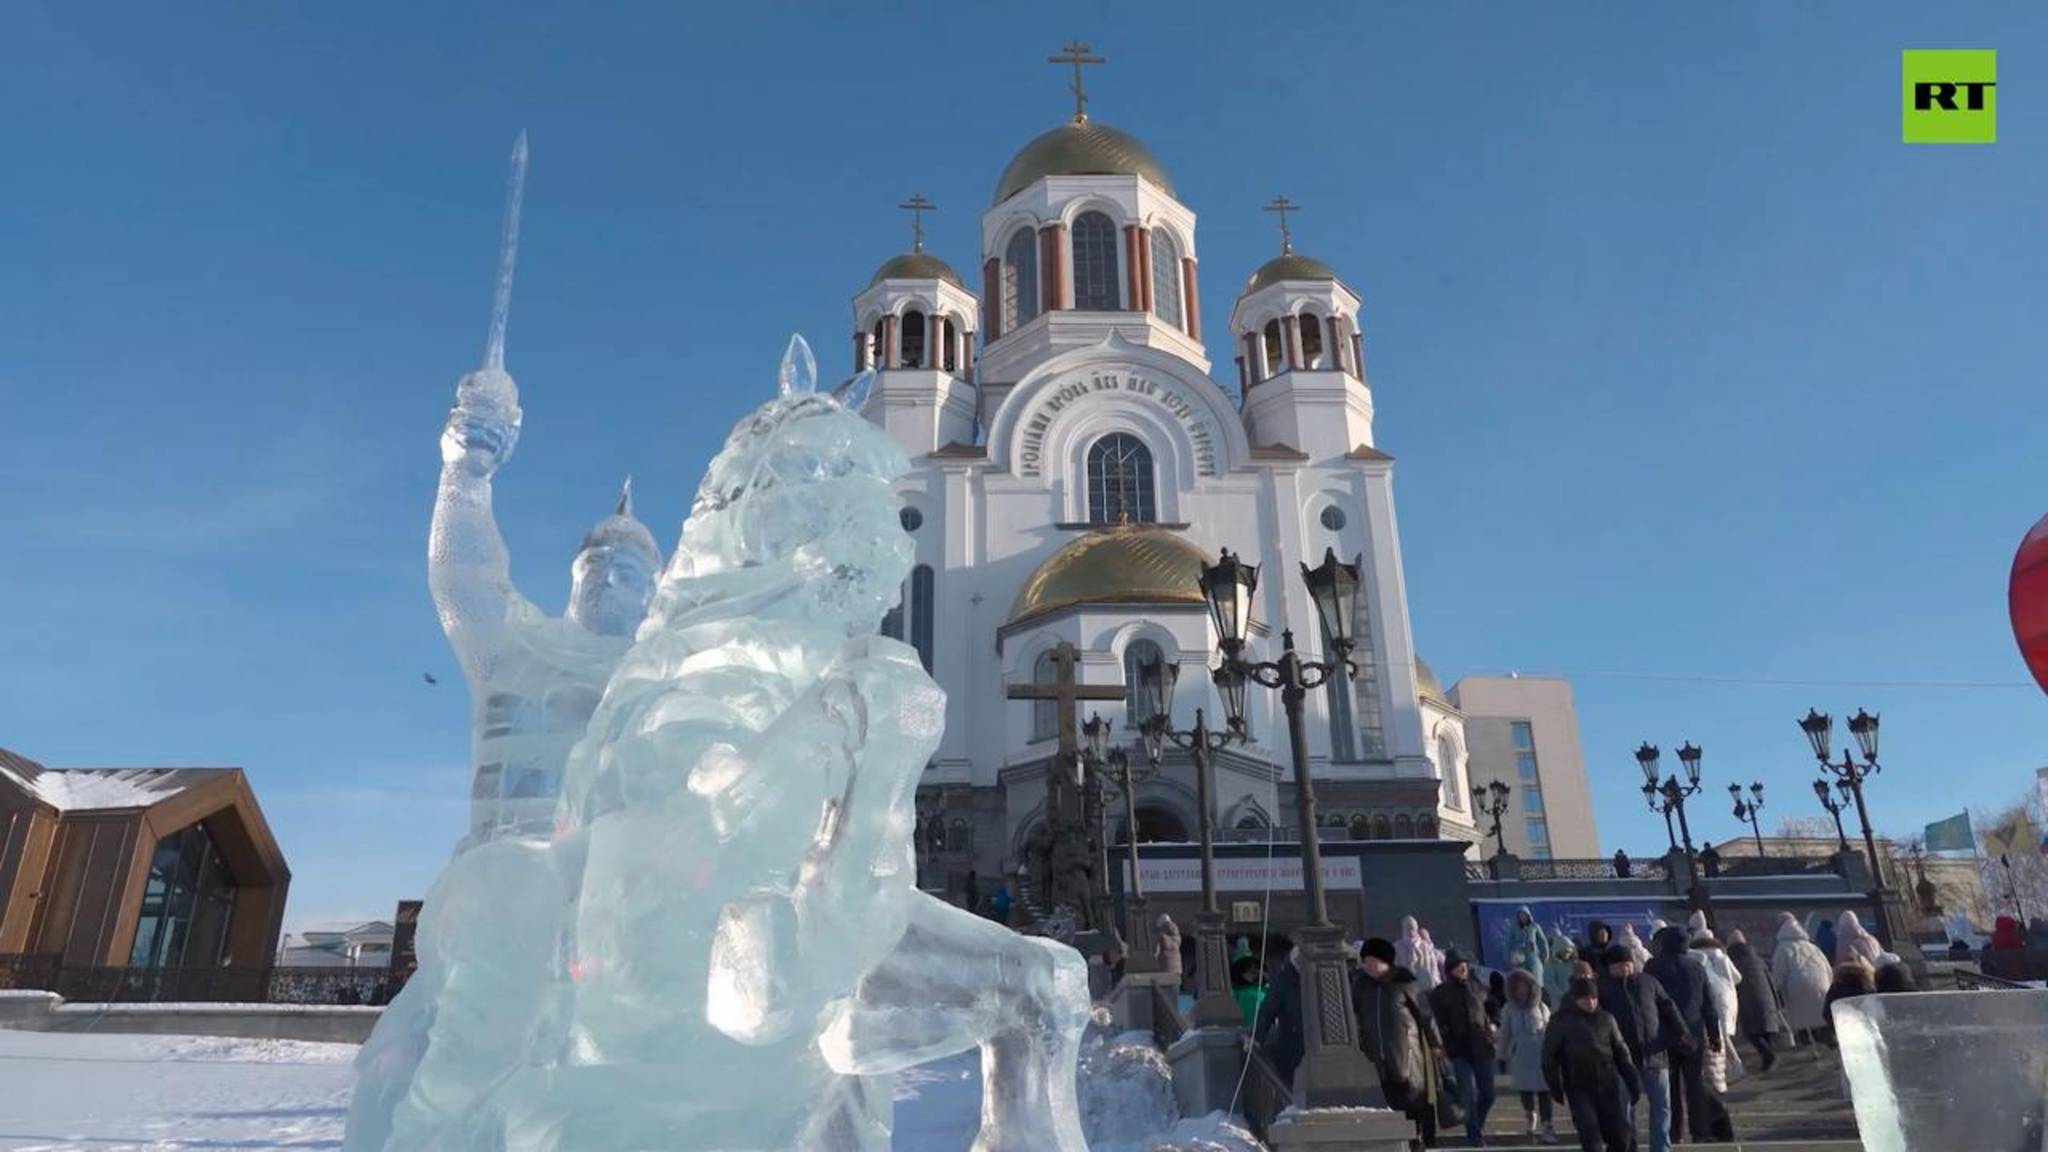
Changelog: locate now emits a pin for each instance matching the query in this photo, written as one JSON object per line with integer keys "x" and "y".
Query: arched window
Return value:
{"x": 1020, "y": 280}
{"x": 949, "y": 345}
{"x": 1447, "y": 763}
{"x": 877, "y": 354}
{"x": 912, "y": 329}
{"x": 892, "y": 621}
{"x": 1250, "y": 822}
{"x": 1045, "y": 714}
{"x": 921, "y": 597}
{"x": 1381, "y": 828}
{"x": 1425, "y": 827}
{"x": 1273, "y": 344}
{"x": 1361, "y": 828}
{"x": 1404, "y": 827}
{"x": 1138, "y": 654}
{"x": 1120, "y": 480}
{"x": 1166, "y": 278}
{"x": 1095, "y": 286}
{"x": 1311, "y": 340}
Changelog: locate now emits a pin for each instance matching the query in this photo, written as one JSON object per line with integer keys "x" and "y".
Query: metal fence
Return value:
{"x": 199, "y": 985}
{"x": 1266, "y": 1096}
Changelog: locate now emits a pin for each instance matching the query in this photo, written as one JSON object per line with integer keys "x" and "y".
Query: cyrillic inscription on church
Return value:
{"x": 1032, "y": 455}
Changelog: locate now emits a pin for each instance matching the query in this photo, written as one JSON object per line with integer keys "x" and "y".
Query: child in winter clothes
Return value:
{"x": 1522, "y": 1023}
{"x": 1588, "y": 1066}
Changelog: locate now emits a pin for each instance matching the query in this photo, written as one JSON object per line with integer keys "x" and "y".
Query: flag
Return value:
{"x": 2015, "y": 836}
{"x": 1951, "y": 835}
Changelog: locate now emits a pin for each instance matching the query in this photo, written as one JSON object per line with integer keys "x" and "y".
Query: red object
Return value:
{"x": 2005, "y": 935}
{"x": 2029, "y": 600}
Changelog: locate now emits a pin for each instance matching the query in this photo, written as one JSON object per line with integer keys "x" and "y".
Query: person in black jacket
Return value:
{"x": 1650, "y": 1023}
{"x": 1397, "y": 1034}
{"x": 1589, "y": 1067}
{"x": 1460, "y": 1010}
{"x": 1683, "y": 973}
{"x": 1599, "y": 938}
{"x": 1278, "y": 1029}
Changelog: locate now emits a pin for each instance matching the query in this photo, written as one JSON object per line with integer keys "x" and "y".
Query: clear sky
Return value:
{"x": 1706, "y": 391}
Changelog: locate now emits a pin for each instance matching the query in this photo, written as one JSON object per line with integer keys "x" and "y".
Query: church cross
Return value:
{"x": 1283, "y": 206}
{"x": 1067, "y": 689}
{"x": 917, "y": 206}
{"x": 1076, "y": 53}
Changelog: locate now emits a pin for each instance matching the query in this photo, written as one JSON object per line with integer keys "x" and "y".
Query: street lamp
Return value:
{"x": 1669, "y": 797}
{"x": 1492, "y": 800}
{"x": 1335, "y": 1072}
{"x": 1114, "y": 767}
{"x": 1834, "y": 807}
{"x": 1819, "y": 728}
{"x": 1746, "y": 810}
{"x": 1215, "y": 1006}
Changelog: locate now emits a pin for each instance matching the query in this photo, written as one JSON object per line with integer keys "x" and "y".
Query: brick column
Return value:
{"x": 1134, "y": 296}
{"x": 1191, "y": 306}
{"x": 886, "y": 354}
{"x": 992, "y": 297}
{"x": 935, "y": 341}
{"x": 860, "y": 351}
{"x": 1145, "y": 269}
{"x": 1052, "y": 273}
{"x": 1338, "y": 343}
{"x": 1290, "y": 336}
{"x": 967, "y": 355}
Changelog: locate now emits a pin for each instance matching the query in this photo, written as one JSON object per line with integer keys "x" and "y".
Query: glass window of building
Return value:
{"x": 1020, "y": 280}
{"x": 187, "y": 904}
{"x": 1525, "y": 766}
{"x": 1532, "y": 801}
{"x": 1524, "y": 736}
{"x": 1095, "y": 283}
{"x": 1138, "y": 704}
{"x": 911, "y": 333}
{"x": 1165, "y": 278}
{"x": 1120, "y": 481}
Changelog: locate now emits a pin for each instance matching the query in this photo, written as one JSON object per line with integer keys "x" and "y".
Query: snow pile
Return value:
{"x": 1125, "y": 1085}
{"x": 235, "y": 1050}
{"x": 77, "y": 789}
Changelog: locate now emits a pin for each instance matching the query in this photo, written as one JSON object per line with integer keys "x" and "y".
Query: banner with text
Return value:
{"x": 1281, "y": 874}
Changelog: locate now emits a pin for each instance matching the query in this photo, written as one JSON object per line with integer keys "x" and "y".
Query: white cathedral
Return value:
{"x": 1074, "y": 465}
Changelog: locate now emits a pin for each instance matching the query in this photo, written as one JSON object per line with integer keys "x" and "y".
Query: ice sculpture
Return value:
{"x": 533, "y": 680}
{"x": 1955, "y": 1071}
{"x": 721, "y": 945}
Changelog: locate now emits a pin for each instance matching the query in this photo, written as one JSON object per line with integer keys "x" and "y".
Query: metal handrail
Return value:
{"x": 1266, "y": 1096}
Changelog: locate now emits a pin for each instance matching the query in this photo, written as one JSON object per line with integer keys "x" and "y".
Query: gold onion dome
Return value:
{"x": 1427, "y": 687}
{"x": 916, "y": 266}
{"x": 1127, "y": 564}
{"x": 1081, "y": 148}
{"x": 1288, "y": 266}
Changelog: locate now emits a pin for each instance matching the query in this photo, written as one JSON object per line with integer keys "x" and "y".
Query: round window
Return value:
{"x": 1333, "y": 518}
{"x": 911, "y": 518}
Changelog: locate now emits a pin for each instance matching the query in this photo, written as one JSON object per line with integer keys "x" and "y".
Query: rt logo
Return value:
{"x": 1951, "y": 96}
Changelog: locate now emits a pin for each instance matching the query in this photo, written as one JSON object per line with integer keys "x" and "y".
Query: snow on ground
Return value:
{"x": 86, "y": 1092}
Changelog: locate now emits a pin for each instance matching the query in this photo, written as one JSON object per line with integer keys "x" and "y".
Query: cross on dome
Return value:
{"x": 1282, "y": 205}
{"x": 917, "y": 206}
{"x": 1077, "y": 53}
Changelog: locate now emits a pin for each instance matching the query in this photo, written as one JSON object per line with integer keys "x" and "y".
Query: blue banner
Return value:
{"x": 1568, "y": 917}
{"x": 1951, "y": 835}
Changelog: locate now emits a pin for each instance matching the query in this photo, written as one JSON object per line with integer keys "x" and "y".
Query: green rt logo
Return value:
{"x": 1951, "y": 96}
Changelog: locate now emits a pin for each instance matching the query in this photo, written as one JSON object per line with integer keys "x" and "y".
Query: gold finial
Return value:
{"x": 917, "y": 206}
{"x": 1076, "y": 53}
{"x": 1283, "y": 206}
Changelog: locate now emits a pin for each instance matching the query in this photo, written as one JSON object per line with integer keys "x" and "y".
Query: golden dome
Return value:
{"x": 1081, "y": 148}
{"x": 916, "y": 266}
{"x": 1426, "y": 685}
{"x": 1288, "y": 266}
{"x": 1127, "y": 564}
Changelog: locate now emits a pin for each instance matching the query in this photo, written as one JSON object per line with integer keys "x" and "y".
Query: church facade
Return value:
{"x": 1075, "y": 463}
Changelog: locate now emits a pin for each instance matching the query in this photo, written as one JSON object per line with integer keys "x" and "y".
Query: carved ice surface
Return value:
{"x": 720, "y": 944}
{"x": 1948, "y": 1071}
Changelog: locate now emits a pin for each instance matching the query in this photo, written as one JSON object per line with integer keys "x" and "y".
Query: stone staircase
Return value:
{"x": 1802, "y": 1105}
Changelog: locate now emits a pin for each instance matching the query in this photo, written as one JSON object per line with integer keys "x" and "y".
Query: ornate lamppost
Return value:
{"x": 1834, "y": 807}
{"x": 1335, "y": 1072}
{"x": 1112, "y": 766}
{"x": 1850, "y": 774}
{"x": 1668, "y": 797}
{"x": 1215, "y": 1006}
{"x": 1746, "y": 811}
{"x": 1492, "y": 800}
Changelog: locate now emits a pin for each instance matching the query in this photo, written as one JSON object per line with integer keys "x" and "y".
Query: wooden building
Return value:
{"x": 137, "y": 867}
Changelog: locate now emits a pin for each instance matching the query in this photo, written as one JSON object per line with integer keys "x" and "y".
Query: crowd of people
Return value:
{"x": 1606, "y": 1026}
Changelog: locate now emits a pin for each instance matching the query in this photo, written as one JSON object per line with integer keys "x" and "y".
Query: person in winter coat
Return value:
{"x": 1521, "y": 1049}
{"x": 1166, "y": 944}
{"x": 1557, "y": 972}
{"x": 1896, "y": 978}
{"x": 1598, "y": 937}
{"x": 1279, "y": 1029}
{"x": 1853, "y": 978}
{"x": 1757, "y": 1015}
{"x": 1634, "y": 943}
{"x": 1651, "y": 1025}
{"x": 1460, "y": 1011}
{"x": 1588, "y": 1065}
{"x": 1397, "y": 1034}
{"x": 1824, "y": 939}
{"x": 1414, "y": 952}
{"x": 1854, "y": 942}
{"x": 1684, "y": 977}
{"x": 1527, "y": 944}
{"x": 1248, "y": 987}
{"x": 2005, "y": 935}
{"x": 1723, "y": 980}
{"x": 1801, "y": 973}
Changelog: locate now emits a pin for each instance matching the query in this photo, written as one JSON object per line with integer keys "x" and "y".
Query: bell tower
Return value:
{"x": 1300, "y": 360}
{"x": 914, "y": 328}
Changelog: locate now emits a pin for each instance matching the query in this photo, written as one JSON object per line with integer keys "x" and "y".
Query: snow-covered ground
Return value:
{"x": 103, "y": 1093}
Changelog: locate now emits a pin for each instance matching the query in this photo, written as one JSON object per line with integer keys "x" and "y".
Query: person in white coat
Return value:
{"x": 1852, "y": 940}
{"x": 1722, "y": 977}
{"x": 1634, "y": 943}
{"x": 1802, "y": 974}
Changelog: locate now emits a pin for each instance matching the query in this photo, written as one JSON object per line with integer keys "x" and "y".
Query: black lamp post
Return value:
{"x": 1114, "y": 767}
{"x": 1492, "y": 800}
{"x": 1834, "y": 807}
{"x": 1746, "y": 811}
{"x": 1215, "y": 1006}
{"x": 1850, "y": 774}
{"x": 1669, "y": 797}
{"x": 1335, "y": 1072}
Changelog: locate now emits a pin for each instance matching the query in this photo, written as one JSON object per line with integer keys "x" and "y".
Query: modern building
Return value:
{"x": 1074, "y": 464}
{"x": 1523, "y": 731}
{"x": 137, "y": 867}
{"x": 364, "y": 944}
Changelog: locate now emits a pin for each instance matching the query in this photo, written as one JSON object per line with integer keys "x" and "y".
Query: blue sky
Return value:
{"x": 1706, "y": 391}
